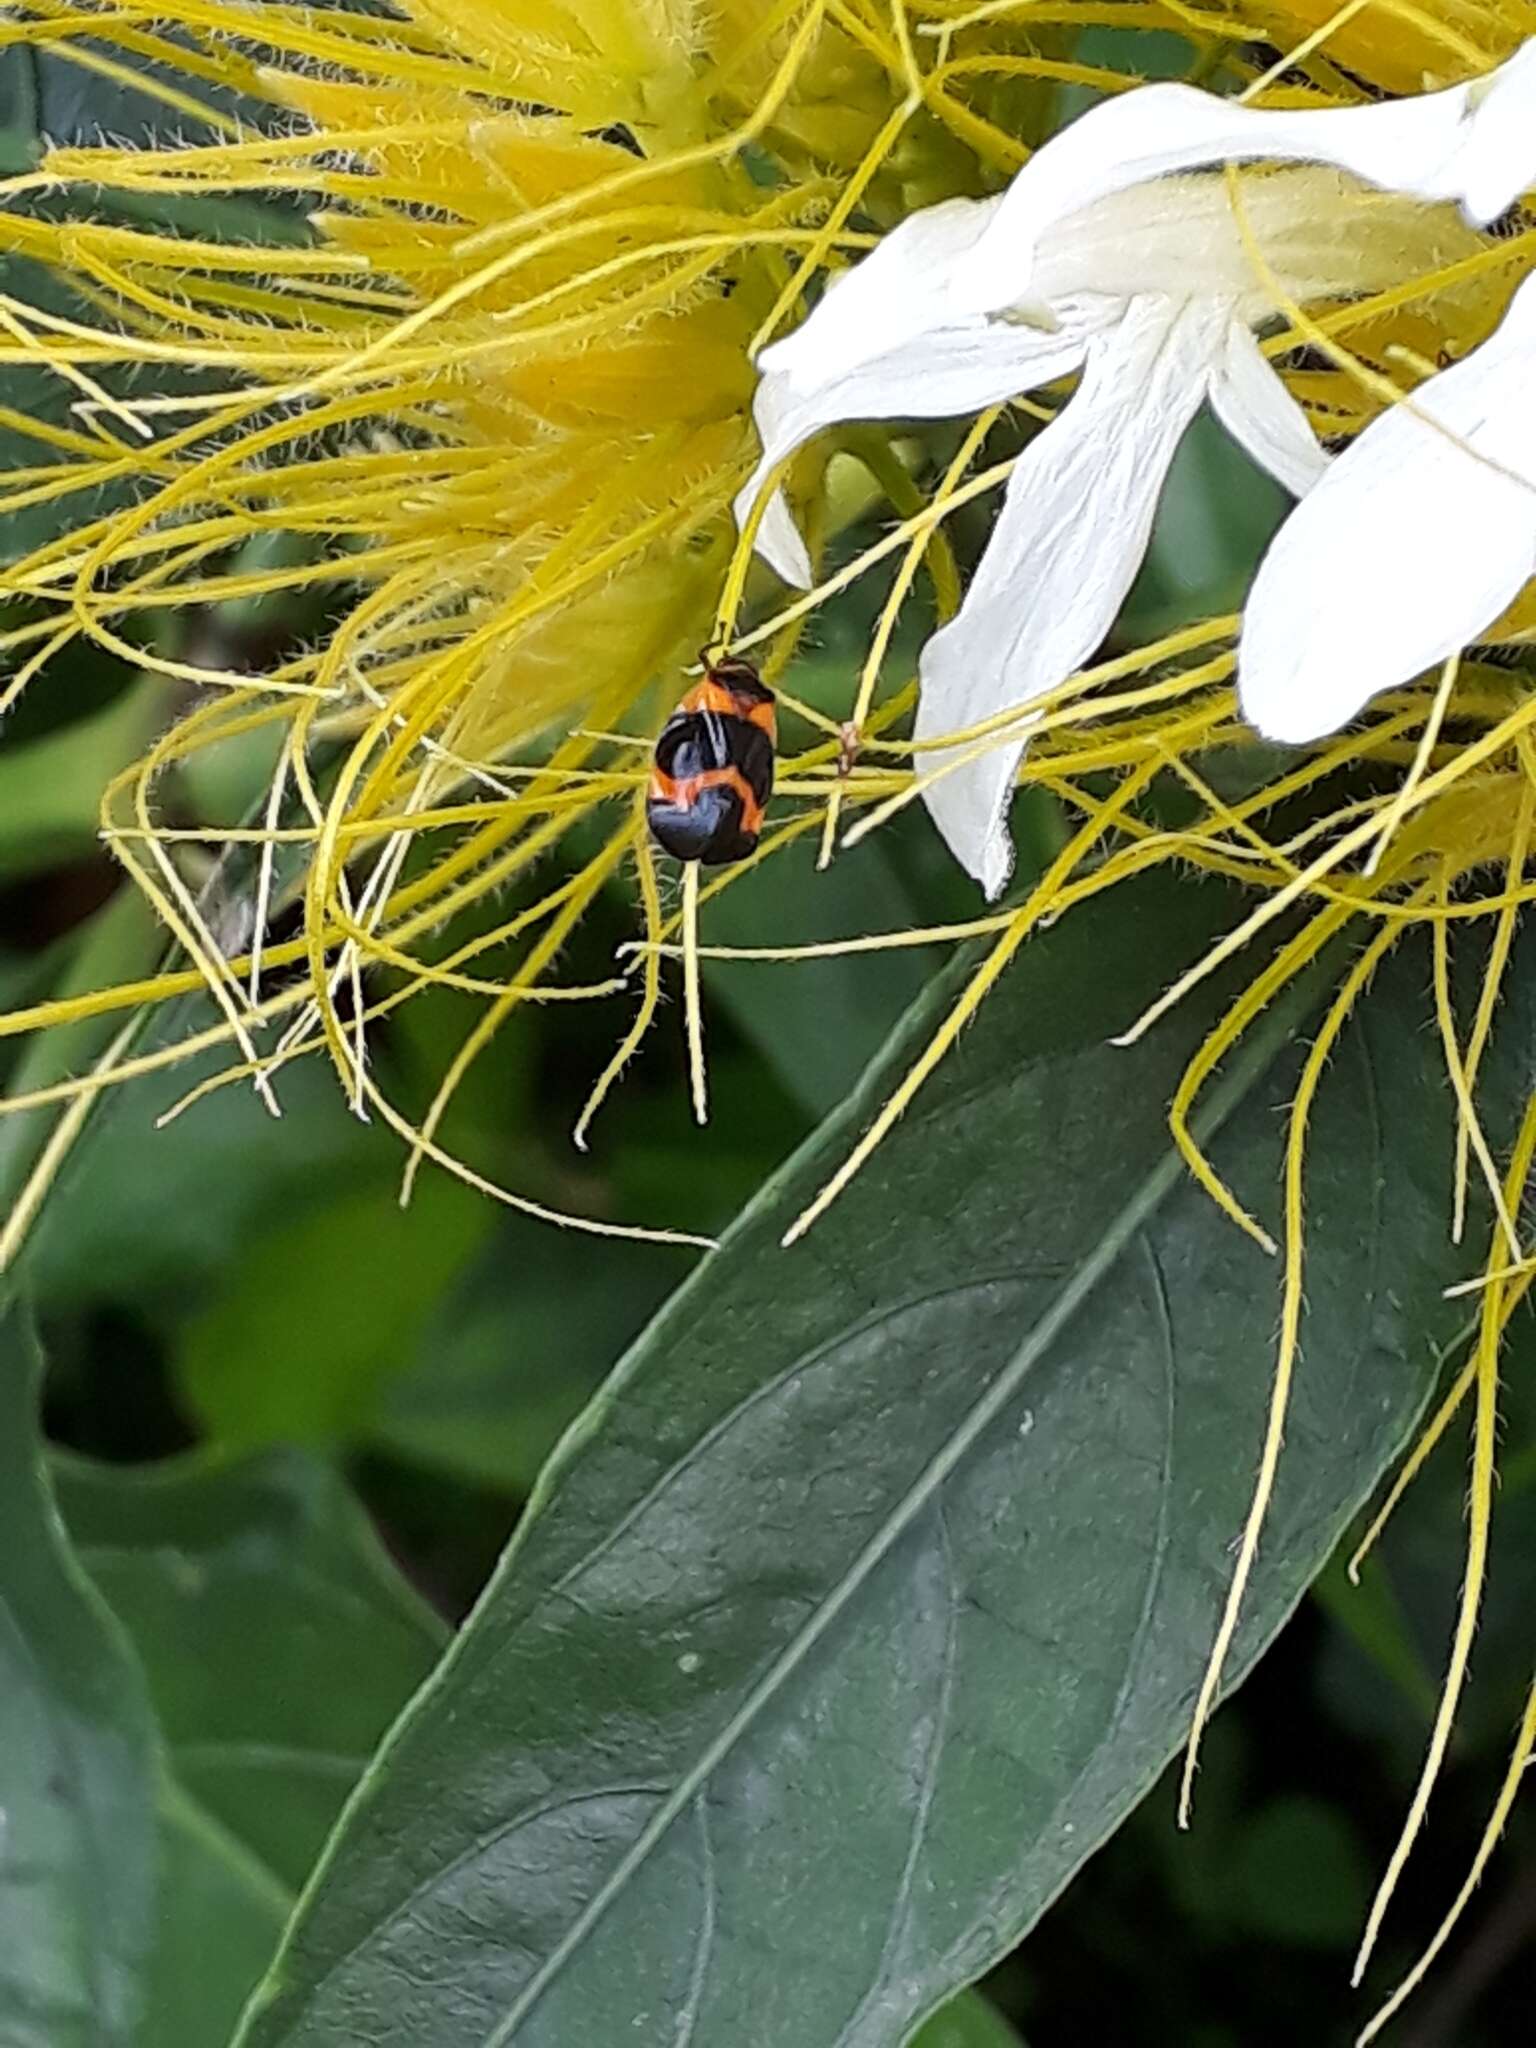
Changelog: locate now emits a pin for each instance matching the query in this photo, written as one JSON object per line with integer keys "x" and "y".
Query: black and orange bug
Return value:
{"x": 712, "y": 772}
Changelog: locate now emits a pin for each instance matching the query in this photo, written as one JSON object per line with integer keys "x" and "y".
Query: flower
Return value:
{"x": 1473, "y": 143}
{"x": 492, "y": 405}
{"x": 1153, "y": 293}
{"x": 1399, "y": 49}
{"x": 465, "y": 408}
{"x": 1418, "y": 538}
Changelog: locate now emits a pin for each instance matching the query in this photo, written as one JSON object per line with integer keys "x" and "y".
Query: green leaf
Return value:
{"x": 516, "y": 1349}
{"x": 50, "y": 791}
{"x": 219, "y": 1917}
{"x": 278, "y": 1639}
{"x": 77, "y": 1766}
{"x": 129, "y": 1915}
{"x": 121, "y": 941}
{"x": 875, "y": 1588}
{"x": 221, "y": 1173}
{"x": 1217, "y": 514}
{"x": 1371, "y": 1615}
{"x": 1300, "y": 1875}
{"x": 967, "y": 2022}
{"x": 817, "y": 1023}
{"x": 323, "y": 1307}
{"x": 49, "y": 96}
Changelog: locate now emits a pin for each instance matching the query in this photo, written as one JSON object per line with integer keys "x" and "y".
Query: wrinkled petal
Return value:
{"x": 1260, "y": 414}
{"x": 951, "y": 371}
{"x": 1071, "y": 535}
{"x": 895, "y": 292}
{"x": 1473, "y": 143}
{"x": 1413, "y": 543}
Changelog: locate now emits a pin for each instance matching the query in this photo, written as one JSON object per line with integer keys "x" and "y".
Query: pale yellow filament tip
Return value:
{"x": 693, "y": 1009}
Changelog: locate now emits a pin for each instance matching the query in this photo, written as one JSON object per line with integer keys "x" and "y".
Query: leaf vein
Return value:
{"x": 1144, "y": 1202}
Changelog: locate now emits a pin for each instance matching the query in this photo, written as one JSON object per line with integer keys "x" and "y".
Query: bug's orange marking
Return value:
{"x": 682, "y": 790}
{"x": 708, "y": 695}
{"x": 720, "y": 698}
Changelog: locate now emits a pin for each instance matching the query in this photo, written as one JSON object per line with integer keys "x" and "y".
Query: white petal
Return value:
{"x": 951, "y": 371}
{"x": 1260, "y": 414}
{"x": 897, "y": 291}
{"x": 1501, "y": 152}
{"x": 1412, "y": 544}
{"x": 1068, "y": 542}
{"x": 1475, "y": 143}
{"x": 778, "y": 539}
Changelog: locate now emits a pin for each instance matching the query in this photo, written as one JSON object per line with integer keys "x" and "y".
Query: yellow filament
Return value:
{"x": 1413, "y": 1464}
{"x": 650, "y": 986}
{"x": 1509, "y": 1789}
{"x": 1396, "y": 810}
{"x": 590, "y": 882}
{"x": 1290, "y": 1329}
{"x": 816, "y": 251}
{"x": 590, "y": 1225}
{"x": 1294, "y": 58}
{"x": 923, "y": 522}
{"x": 1467, "y": 1120}
{"x": 1498, "y": 959}
{"x": 1041, "y": 900}
{"x": 885, "y": 625}
{"x": 1255, "y": 998}
{"x": 1484, "y": 1425}
{"x": 1486, "y": 745}
{"x": 24, "y": 1209}
{"x": 693, "y": 1008}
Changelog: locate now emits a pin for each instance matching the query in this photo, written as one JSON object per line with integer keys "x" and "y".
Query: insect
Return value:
{"x": 712, "y": 772}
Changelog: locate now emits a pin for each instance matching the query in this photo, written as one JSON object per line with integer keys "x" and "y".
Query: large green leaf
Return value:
{"x": 875, "y": 1588}
{"x": 278, "y": 1639}
{"x": 218, "y": 1916}
{"x": 77, "y": 1767}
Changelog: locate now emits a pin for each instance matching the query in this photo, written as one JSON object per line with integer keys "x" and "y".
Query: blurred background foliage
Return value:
{"x": 291, "y": 1425}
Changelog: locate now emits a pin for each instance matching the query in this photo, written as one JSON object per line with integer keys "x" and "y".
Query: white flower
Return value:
{"x": 1417, "y": 539}
{"x": 1474, "y": 144}
{"x": 1152, "y": 292}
